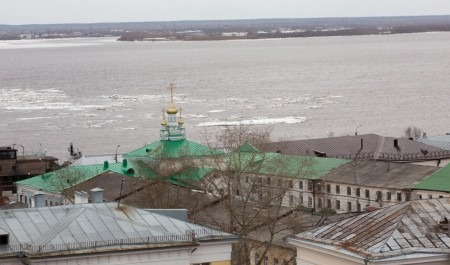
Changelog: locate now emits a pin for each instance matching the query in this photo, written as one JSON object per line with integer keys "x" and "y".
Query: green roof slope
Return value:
{"x": 283, "y": 165}
{"x": 59, "y": 180}
{"x": 173, "y": 150}
{"x": 438, "y": 181}
{"x": 190, "y": 176}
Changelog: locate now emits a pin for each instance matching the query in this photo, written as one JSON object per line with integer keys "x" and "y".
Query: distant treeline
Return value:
{"x": 217, "y": 34}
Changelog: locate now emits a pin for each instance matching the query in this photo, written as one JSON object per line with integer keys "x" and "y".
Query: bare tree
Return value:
{"x": 252, "y": 190}
{"x": 413, "y": 132}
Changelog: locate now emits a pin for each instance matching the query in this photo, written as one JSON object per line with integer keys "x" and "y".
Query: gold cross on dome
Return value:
{"x": 172, "y": 88}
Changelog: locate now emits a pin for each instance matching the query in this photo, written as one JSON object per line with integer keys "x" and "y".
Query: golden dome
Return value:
{"x": 164, "y": 122}
{"x": 180, "y": 121}
{"x": 172, "y": 109}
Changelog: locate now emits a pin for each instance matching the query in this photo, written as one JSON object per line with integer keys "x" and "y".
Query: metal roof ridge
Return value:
{"x": 61, "y": 225}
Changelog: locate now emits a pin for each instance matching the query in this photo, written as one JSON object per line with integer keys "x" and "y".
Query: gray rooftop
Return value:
{"x": 366, "y": 146}
{"x": 77, "y": 227}
{"x": 440, "y": 141}
{"x": 380, "y": 174}
{"x": 408, "y": 228}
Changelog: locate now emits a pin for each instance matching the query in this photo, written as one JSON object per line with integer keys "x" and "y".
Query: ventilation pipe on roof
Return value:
{"x": 81, "y": 197}
{"x": 105, "y": 165}
{"x": 97, "y": 195}
{"x": 396, "y": 143}
{"x": 39, "y": 199}
{"x": 124, "y": 163}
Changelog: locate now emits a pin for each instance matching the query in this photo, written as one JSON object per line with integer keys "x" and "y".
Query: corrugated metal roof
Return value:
{"x": 372, "y": 147}
{"x": 64, "y": 178}
{"x": 400, "y": 229}
{"x": 438, "y": 181}
{"x": 380, "y": 174}
{"x": 440, "y": 141}
{"x": 276, "y": 164}
{"x": 73, "y": 227}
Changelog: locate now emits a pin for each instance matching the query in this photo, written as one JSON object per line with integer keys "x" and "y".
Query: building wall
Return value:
{"x": 25, "y": 195}
{"x": 428, "y": 194}
{"x": 345, "y": 198}
{"x": 211, "y": 252}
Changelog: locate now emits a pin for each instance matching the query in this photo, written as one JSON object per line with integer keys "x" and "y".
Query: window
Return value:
{"x": 13, "y": 167}
{"x": 328, "y": 203}
{"x": 419, "y": 196}
{"x": 328, "y": 188}
{"x": 0, "y": 168}
{"x": 319, "y": 187}
{"x": 399, "y": 197}
{"x": 319, "y": 203}
{"x": 358, "y": 192}
{"x": 259, "y": 180}
{"x": 379, "y": 195}
{"x": 440, "y": 196}
{"x": 338, "y": 204}
{"x": 349, "y": 191}
{"x": 46, "y": 203}
{"x": 237, "y": 192}
{"x": 388, "y": 196}
{"x": 310, "y": 186}
{"x": 279, "y": 182}
{"x": 368, "y": 194}
{"x": 51, "y": 203}
{"x": 300, "y": 185}
{"x": 268, "y": 181}
{"x": 338, "y": 189}
{"x": 291, "y": 200}
{"x": 310, "y": 202}
{"x": 275, "y": 261}
{"x": 349, "y": 206}
{"x": 291, "y": 184}
{"x": 301, "y": 199}
{"x": 247, "y": 179}
{"x": 429, "y": 196}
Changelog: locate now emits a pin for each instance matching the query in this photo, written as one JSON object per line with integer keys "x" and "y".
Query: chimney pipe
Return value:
{"x": 396, "y": 143}
{"x": 105, "y": 165}
{"x": 362, "y": 143}
{"x": 39, "y": 199}
{"x": 97, "y": 195}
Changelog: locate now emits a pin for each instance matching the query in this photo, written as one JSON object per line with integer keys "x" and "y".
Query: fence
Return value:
{"x": 30, "y": 249}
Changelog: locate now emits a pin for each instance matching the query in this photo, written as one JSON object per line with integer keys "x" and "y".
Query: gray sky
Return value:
{"x": 89, "y": 11}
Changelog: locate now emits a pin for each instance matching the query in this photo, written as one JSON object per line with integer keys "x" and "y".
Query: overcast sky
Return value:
{"x": 90, "y": 11}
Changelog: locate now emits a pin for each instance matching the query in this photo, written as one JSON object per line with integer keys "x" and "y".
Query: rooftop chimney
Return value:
{"x": 396, "y": 143}
{"x": 97, "y": 195}
{"x": 124, "y": 163}
{"x": 105, "y": 165}
{"x": 81, "y": 197}
{"x": 39, "y": 199}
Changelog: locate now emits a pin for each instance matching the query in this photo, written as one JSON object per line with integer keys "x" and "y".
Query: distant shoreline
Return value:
{"x": 231, "y": 29}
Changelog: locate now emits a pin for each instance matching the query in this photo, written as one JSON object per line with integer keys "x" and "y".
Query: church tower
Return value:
{"x": 172, "y": 129}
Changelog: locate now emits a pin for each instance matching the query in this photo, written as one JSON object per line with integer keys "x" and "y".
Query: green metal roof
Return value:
{"x": 172, "y": 150}
{"x": 64, "y": 178}
{"x": 190, "y": 176}
{"x": 438, "y": 181}
{"x": 283, "y": 165}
